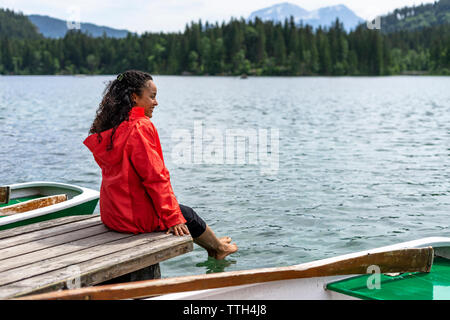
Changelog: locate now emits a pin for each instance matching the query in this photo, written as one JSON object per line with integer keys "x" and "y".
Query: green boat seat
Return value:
{"x": 434, "y": 285}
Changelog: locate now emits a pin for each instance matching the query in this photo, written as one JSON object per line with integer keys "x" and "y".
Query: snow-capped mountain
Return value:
{"x": 279, "y": 12}
{"x": 320, "y": 17}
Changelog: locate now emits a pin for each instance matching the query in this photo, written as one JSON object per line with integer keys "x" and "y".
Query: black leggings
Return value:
{"x": 195, "y": 224}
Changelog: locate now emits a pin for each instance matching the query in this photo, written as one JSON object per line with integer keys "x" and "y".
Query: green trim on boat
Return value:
{"x": 408, "y": 286}
{"x": 86, "y": 208}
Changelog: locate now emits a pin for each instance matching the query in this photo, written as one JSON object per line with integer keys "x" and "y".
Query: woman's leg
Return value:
{"x": 203, "y": 235}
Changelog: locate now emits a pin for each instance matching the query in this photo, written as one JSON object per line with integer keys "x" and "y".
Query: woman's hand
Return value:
{"x": 179, "y": 230}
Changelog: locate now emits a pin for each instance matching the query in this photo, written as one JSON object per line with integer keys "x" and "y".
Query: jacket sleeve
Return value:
{"x": 154, "y": 174}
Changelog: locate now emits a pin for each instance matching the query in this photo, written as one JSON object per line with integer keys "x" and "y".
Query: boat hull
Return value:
{"x": 82, "y": 201}
{"x": 314, "y": 288}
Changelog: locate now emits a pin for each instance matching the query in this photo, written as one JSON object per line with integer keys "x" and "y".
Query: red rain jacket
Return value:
{"x": 136, "y": 195}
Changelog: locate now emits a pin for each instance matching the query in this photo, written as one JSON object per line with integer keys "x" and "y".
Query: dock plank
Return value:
{"x": 60, "y": 250}
{"x": 50, "y": 232}
{"x": 34, "y": 260}
{"x": 43, "y": 225}
{"x": 101, "y": 269}
{"x": 24, "y": 248}
{"x": 83, "y": 255}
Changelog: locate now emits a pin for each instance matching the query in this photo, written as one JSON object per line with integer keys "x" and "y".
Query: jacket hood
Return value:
{"x": 98, "y": 147}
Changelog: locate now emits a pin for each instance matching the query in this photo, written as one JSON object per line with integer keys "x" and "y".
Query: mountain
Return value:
{"x": 16, "y": 25}
{"x": 279, "y": 12}
{"x": 413, "y": 18}
{"x": 57, "y": 28}
{"x": 320, "y": 17}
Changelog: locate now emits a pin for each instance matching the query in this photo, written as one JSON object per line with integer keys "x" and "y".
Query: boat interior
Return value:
{"x": 434, "y": 285}
{"x": 34, "y": 192}
{"x": 28, "y": 197}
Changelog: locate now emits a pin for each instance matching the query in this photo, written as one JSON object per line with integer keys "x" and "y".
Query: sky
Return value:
{"x": 172, "y": 15}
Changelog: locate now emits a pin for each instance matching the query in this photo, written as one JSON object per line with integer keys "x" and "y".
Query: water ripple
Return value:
{"x": 363, "y": 162}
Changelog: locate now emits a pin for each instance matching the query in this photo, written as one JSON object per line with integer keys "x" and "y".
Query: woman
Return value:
{"x": 136, "y": 195}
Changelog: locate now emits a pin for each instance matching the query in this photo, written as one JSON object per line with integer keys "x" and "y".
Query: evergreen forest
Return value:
{"x": 230, "y": 48}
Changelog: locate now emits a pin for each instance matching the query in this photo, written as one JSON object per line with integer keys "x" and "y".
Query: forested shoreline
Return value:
{"x": 234, "y": 48}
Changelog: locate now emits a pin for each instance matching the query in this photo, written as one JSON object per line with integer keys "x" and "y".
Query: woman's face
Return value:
{"x": 147, "y": 100}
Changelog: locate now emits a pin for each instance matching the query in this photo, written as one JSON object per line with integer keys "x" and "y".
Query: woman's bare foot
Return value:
{"x": 217, "y": 248}
{"x": 224, "y": 250}
{"x": 225, "y": 239}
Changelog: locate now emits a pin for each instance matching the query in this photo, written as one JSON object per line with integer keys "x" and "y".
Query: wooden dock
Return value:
{"x": 75, "y": 252}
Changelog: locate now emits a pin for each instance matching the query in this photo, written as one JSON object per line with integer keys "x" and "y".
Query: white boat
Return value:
{"x": 422, "y": 267}
{"x": 80, "y": 201}
{"x": 327, "y": 288}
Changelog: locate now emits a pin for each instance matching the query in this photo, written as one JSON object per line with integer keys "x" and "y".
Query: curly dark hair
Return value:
{"x": 117, "y": 102}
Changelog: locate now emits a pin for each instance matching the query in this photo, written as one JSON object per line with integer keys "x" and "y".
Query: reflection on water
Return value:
{"x": 212, "y": 265}
{"x": 363, "y": 162}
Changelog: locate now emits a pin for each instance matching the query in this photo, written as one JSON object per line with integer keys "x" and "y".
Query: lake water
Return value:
{"x": 360, "y": 162}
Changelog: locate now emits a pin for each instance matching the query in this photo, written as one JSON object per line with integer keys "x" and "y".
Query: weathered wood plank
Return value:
{"x": 43, "y": 225}
{"x": 122, "y": 245}
{"x": 103, "y": 268}
{"x": 87, "y": 240}
{"x": 33, "y": 204}
{"x": 50, "y": 232}
{"x": 38, "y": 245}
{"x": 5, "y": 193}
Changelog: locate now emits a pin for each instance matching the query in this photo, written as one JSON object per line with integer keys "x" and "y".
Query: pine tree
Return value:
{"x": 261, "y": 43}
{"x": 279, "y": 47}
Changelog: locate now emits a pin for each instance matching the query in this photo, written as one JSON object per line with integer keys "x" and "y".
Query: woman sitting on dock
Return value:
{"x": 136, "y": 194}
